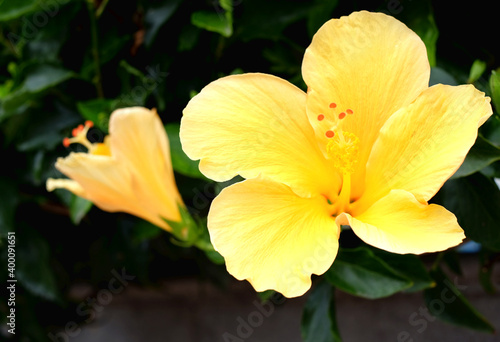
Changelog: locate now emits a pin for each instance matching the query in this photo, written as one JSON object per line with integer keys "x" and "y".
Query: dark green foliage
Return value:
{"x": 66, "y": 61}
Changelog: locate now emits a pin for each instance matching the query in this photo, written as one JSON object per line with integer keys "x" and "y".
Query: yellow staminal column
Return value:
{"x": 343, "y": 150}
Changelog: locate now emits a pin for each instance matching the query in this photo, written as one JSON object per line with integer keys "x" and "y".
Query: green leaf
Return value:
{"x": 482, "y": 154}
{"x": 144, "y": 230}
{"x": 110, "y": 44}
{"x": 9, "y": 198}
{"x": 45, "y": 76}
{"x": 487, "y": 262}
{"x": 97, "y": 111}
{"x": 271, "y": 22}
{"x": 41, "y": 131}
{"x": 33, "y": 268}
{"x": 410, "y": 266}
{"x": 38, "y": 79}
{"x": 359, "y": 272}
{"x": 419, "y": 16}
{"x": 319, "y": 322}
{"x": 15, "y": 9}
{"x": 475, "y": 201}
{"x": 495, "y": 89}
{"x": 42, "y": 41}
{"x": 320, "y": 13}
{"x": 180, "y": 161}
{"x": 188, "y": 38}
{"x": 476, "y": 71}
{"x": 155, "y": 17}
{"x": 283, "y": 62}
{"x": 446, "y": 302}
{"x": 439, "y": 75}
{"x": 78, "y": 208}
{"x": 451, "y": 259}
{"x": 214, "y": 22}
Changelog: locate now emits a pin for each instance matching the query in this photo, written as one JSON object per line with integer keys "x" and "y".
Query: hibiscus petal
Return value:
{"x": 105, "y": 182}
{"x": 255, "y": 124}
{"x": 399, "y": 223}
{"x": 422, "y": 145}
{"x": 367, "y": 63}
{"x": 271, "y": 237}
{"x": 139, "y": 142}
{"x": 67, "y": 184}
{"x": 101, "y": 180}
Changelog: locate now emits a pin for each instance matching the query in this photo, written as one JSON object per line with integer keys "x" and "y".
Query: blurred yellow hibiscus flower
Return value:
{"x": 130, "y": 171}
{"x": 367, "y": 146}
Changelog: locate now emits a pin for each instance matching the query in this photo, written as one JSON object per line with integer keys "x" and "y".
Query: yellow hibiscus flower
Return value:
{"x": 366, "y": 147}
{"x": 130, "y": 171}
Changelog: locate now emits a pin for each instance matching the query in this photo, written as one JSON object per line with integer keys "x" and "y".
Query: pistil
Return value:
{"x": 80, "y": 137}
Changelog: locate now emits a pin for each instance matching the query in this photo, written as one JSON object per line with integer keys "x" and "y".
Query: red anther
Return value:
{"x": 321, "y": 117}
{"x": 333, "y": 105}
{"x": 342, "y": 115}
{"x": 89, "y": 123}
{"x": 77, "y": 130}
{"x": 66, "y": 142}
{"x": 329, "y": 134}
{"x": 349, "y": 111}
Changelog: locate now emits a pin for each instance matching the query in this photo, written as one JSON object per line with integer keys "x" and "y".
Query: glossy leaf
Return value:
{"x": 10, "y": 10}
{"x": 38, "y": 79}
{"x": 495, "y": 89}
{"x": 320, "y": 13}
{"x": 155, "y": 17}
{"x": 319, "y": 322}
{"x": 410, "y": 266}
{"x": 477, "y": 70}
{"x": 446, "y": 302}
{"x": 180, "y": 161}
{"x": 361, "y": 273}
{"x": 475, "y": 201}
{"x": 33, "y": 269}
{"x": 439, "y": 75}
{"x": 78, "y": 208}
{"x": 217, "y": 21}
{"x": 97, "y": 111}
{"x": 482, "y": 154}
{"x": 278, "y": 15}
{"x": 418, "y": 15}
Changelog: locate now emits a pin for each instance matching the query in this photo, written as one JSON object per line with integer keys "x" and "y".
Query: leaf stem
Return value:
{"x": 101, "y": 8}
{"x": 95, "y": 49}
{"x": 436, "y": 263}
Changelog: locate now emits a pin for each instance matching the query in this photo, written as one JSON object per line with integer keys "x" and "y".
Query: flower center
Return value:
{"x": 80, "y": 137}
{"x": 342, "y": 148}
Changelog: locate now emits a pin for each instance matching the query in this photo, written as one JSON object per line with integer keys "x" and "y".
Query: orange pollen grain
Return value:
{"x": 329, "y": 134}
{"x": 89, "y": 123}
{"x": 333, "y": 105}
{"x": 342, "y": 115}
{"x": 321, "y": 117}
{"x": 66, "y": 142}
{"x": 77, "y": 130}
{"x": 349, "y": 111}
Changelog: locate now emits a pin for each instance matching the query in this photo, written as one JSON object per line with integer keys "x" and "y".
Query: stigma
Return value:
{"x": 342, "y": 147}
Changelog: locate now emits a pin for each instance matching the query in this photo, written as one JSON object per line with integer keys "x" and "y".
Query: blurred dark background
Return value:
{"x": 66, "y": 61}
